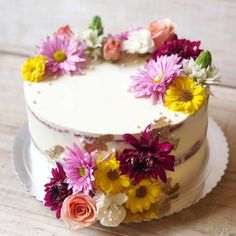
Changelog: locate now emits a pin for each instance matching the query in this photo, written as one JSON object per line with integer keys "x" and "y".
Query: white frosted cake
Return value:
{"x": 118, "y": 122}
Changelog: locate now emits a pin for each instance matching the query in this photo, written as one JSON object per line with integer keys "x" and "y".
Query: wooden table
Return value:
{"x": 21, "y": 214}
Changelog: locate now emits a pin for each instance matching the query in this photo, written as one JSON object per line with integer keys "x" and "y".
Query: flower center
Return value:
{"x": 32, "y": 68}
{"x": 81, "y": 171}
{"x": 158, "y": 78}
{"x": 113, "y": 174}
{"x": 141, "y": 191}
{"x": 186, "y": 96}
{"x": 59, "y": 56}
{"x": 55, "y": 191}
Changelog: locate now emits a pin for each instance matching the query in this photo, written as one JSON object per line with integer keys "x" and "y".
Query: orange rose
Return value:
{"x": 65, "y": 31}
{"x": 161, "y": 31}
{"x": 112, "y": 49}
{"x": 78, "y": 211}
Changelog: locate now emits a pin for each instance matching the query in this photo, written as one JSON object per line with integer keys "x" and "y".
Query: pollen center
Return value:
{"x": 141, "y": 191}
{"x": 113, "y": 174}
{"x": 59, "y": 56}
{"x": 186, "y": 96}
{"x": 32, "y": 68}
{"x": 81, "y": 171}
{"x": 158, "y": 78}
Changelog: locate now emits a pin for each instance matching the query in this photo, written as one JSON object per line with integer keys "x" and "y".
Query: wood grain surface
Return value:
{"x": 212, "y": 21}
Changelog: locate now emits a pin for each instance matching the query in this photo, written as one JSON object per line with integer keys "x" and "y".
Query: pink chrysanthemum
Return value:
{"x": 79, "y": 168}
{"x": 64, "y": 55}
{"x": 155, "y": 76}
{"x": 56, "y": 191}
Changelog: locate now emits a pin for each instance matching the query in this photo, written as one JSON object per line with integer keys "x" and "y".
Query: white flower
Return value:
{"x": 93, "y": 42}
{"x": 110, "y": 211}
{"x": 203, "y": 76}
{"x": 139, "y": 41}
{"x": 92, "y": 39}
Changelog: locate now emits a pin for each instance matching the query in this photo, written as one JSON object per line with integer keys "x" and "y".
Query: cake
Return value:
{"x": 118, "y": 122}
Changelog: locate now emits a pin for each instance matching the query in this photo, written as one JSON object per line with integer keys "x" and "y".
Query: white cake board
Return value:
{"x": 215, "y": 167}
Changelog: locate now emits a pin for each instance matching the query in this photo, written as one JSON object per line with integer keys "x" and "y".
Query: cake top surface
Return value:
{"x": 97, "y": 101}
{"x": 117, "y": 83}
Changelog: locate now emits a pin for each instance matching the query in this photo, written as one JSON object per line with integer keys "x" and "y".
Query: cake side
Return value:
{"x": 186, "y": 136}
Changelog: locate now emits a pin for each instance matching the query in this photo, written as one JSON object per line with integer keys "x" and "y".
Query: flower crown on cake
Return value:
{"x": 177, "y": 72}
{"x": 122, "y": 186}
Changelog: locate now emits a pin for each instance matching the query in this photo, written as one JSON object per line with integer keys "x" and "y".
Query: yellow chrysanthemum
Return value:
{"x": 34, "y": 69}
{"x": 152, "y": 213}
{"x": 108, "y": 178}
{"x": 185, "y": 96}
{"x": 141, "y": 196}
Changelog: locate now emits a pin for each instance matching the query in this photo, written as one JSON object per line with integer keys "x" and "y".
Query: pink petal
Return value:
{"x": 164, "y": 148}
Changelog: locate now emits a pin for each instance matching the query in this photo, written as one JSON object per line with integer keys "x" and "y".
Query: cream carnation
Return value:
{"x": 110, "y": 211}
{"x": 139, "y": 41}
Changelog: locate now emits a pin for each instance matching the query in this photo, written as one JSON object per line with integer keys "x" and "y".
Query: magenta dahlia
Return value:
{"x": 64, "y": 55}
{"x": 147, "y": 158}
{"x": 155, "y": 76}
{"x": 56, "y": 191}
{"x": 184, "y": 48}
{"x": 79, "y": 168}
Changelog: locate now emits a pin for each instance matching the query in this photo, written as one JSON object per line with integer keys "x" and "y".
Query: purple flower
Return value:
{"x": 147, "y": 158}
{"x": 154, "y": 78}
{"x": 79, "y": 168}
{"x": 184, "y": 48}
{"x": 64, "y": 55}
{"x": 56, "y": 190}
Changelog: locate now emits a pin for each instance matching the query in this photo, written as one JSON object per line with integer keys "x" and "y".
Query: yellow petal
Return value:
{"x": 124, "y": 181}
{"x": 198, "y": 90}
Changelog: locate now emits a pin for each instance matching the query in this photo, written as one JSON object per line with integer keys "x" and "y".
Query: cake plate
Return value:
{"x": 215, "y": 166}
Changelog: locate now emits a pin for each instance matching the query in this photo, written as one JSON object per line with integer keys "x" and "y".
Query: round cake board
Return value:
{"x": 215, "y": 166}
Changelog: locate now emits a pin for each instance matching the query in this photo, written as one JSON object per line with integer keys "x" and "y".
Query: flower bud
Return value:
{"x": 204, "y": 59}
{"x": 96, "y": 24}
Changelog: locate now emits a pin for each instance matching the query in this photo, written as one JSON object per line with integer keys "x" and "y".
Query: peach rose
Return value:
{"x": 78, "y": 211}
{"x": 112, "y": 49}
{"x": 161, "y": 31}
{"x": 65, "y": 31}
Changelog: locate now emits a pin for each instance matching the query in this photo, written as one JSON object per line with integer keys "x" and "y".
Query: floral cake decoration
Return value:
{"x": 177, "y": 72}
{"x": 125, "y": 185}
{"x": 122, "y": 186}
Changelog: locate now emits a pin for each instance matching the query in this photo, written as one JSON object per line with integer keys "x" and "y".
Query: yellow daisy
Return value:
{"x": 141, "y": 196}
{"x": 108, "y": 178}
{"x": 34, "y": 69}
{"x": 185, "y": 96}
{"x": 152, "y": 213}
